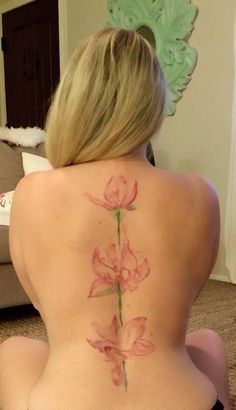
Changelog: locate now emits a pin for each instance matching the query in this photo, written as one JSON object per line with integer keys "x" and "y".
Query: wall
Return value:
{"x": 84, "y": 17}
{"x": 2, "y": 86}
{"x": 197, "y": 137}
{"x": 6, "y": 5}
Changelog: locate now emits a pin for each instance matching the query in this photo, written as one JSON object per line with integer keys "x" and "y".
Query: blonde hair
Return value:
{"x": 109, "y": 102}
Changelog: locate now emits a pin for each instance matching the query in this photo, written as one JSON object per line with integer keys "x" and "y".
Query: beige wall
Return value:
{"x": 84, "y": 17}
{"x": 197, "y": 138}
{"x": 6, "y": 5}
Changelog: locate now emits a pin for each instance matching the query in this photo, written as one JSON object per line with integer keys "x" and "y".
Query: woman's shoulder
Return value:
{"x": 197, "y": 187}
{"x": 204, "y": 194}
{"x": 34, "y": 191}
{"x": 191, "y": 203}
{"x": 38, "y": 183}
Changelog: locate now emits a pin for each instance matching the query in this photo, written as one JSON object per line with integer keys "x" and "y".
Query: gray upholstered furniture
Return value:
{"x": 11, "y": 171}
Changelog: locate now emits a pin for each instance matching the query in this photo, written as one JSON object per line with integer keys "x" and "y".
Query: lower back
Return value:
{"x": 75, "y": 379}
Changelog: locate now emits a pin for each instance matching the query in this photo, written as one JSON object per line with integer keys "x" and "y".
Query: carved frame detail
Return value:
{"x": 171, "y": 23}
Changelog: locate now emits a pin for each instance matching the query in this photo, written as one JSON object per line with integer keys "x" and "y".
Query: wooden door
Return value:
{"x": 31, "y": 61}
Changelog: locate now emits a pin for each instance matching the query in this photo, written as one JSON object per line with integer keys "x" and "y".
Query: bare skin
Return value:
{"x": 54, "y": 230}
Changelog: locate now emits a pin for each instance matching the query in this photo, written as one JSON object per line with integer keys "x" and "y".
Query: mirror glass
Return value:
{"x": 147, "y": 33}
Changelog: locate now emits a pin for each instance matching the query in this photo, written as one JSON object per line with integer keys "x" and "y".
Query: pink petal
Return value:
{"x": 109, "y": 352}
{"x": 131, "y": 273}
{"x": 113, "y": 255}
{"x": 141, "y": 348}
{"x": 99, "y": 202}
{"x": 116, "y": 191}
{"x": 142, "y": 271}
{"x": 115, "y": 325}
{"x": 117, "y": 375}
{"x": 117, "y": 358}
{"x": 130, "y": 197}
{"x": 102, "y": 269}
{"x": 115, "y": 355}
{"x": 109, "y": 332}
{"x": 128, "y": 258}
{"x": 129, "y": 267}
{"x": 133, "y": 330}
{"x": 128, "y": 282}
{"x": 100, "y": 287}
{"x": 101, "y": 345}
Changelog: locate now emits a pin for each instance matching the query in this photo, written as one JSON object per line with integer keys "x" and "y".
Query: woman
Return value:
{"x": 112, "y": 251}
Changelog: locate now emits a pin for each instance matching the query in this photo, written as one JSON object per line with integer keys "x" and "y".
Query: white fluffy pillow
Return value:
{"x": 32, "y": 163}
{"x": 26, "y": 137}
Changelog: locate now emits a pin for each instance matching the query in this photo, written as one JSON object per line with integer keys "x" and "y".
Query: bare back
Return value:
{"x": 116, "y": 252}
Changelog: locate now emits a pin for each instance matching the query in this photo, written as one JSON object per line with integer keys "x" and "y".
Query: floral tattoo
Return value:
{"x": 119, "y": 271}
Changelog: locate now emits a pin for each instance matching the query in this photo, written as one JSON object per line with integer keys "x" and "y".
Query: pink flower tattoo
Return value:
{"x": 118, "y": 349}
{"x": 116, "y": 195}
{"x": 119, "y": 271}
{"x": 119, "y": 267}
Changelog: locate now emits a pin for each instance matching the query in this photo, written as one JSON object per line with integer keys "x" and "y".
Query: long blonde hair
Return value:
{"x": 110, "y": 100}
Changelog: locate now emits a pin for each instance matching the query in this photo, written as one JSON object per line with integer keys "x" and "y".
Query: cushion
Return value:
{"x": 5, "y": 207}
{"x": 32, "y": 163}
{"x": 4, "y": 245}
{"x": 26, "y": 137}
{"x": 39, "y": 150}
{"x": 11, "y": 170}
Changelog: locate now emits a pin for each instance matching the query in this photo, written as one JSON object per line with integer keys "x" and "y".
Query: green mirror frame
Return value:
{"x": 167, "y": 24}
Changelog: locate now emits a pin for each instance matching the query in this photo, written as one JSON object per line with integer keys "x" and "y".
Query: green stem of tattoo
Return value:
{"x": 118, "y": 216}
{"x": 125, "y": 376}
{"x": 120, "y": 303}
{"x": 118, "y": 291}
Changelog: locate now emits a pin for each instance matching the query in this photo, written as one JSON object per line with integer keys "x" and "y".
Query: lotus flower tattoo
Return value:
{"x": 119, "y": 267}
{"x": 117, "y": 272}
{"x": 119, "y": 345}
{"x": 117, "y": 194}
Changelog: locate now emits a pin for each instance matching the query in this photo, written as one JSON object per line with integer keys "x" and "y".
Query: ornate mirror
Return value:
{"x": 147, "y": 33}
{"x": 167, "y": 25}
